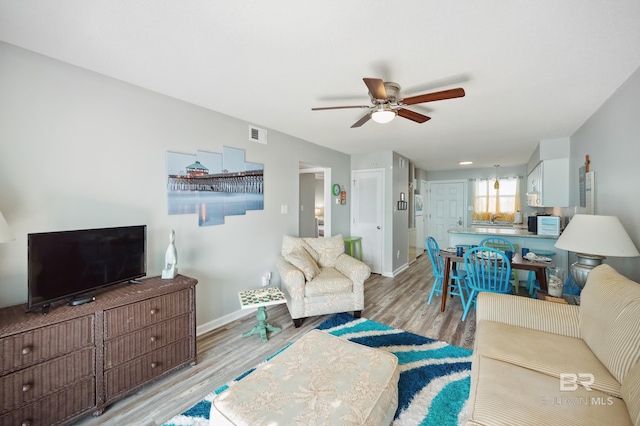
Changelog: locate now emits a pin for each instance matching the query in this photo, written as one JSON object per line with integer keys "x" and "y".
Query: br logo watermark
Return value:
{"x": 569, "y": 381}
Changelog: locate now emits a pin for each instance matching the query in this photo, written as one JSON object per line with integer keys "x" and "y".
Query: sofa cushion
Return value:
{"x": 609, "y": 312}
{"x": 290, "y": 244}
{"x": 505, "y": 394}
{"x": 631, "y": 393}
{"x": 301, "y": 259}
{"x": 328, "y": 282}
{"x": 328, "y": 249}
{"x": 547, "y": 353}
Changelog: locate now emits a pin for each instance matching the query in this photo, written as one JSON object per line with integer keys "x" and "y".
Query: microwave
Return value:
{"x": 549, "y": 225}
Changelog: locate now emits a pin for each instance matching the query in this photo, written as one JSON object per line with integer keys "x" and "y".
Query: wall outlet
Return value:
{"x": 266, "y": 278}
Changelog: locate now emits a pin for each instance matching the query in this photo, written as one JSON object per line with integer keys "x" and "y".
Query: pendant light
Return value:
{"x": 496, "y": 185}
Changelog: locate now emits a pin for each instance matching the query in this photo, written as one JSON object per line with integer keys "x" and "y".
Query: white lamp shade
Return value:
{"x": 5, "y": 232}
{"x": 597, "y": 235}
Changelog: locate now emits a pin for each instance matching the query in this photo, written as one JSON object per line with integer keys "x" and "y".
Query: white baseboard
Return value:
{"x": 219, "y": 322}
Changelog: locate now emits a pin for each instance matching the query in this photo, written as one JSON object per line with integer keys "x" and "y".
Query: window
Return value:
{"x": 501, "y": 204}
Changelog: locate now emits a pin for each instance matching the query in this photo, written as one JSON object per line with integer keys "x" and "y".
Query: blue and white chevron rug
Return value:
{"x": 434, "y": 376}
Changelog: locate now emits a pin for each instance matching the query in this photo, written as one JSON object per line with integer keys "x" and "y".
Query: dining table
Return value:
{"x": 451, "y": 259}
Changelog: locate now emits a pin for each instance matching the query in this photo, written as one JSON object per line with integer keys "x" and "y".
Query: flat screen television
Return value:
{"x": 70, "y": 264}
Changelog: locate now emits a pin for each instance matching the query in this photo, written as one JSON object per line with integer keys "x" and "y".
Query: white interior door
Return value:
{"x": 367, "y": 215}
{"x": 446, "y": 209}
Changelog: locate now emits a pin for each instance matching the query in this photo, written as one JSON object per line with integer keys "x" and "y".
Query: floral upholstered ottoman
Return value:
{"x": 320, "y": 379}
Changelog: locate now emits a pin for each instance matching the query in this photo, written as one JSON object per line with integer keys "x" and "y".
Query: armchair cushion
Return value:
{"x": 301, "y": 259}
{"x": 329, "y": 281}
{"x": 290, "y": 244}
{"x": 328, "y": 249}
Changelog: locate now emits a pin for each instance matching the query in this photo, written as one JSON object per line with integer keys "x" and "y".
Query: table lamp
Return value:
{"x": 592, "y": 238}
{"x": 5, "y": 232}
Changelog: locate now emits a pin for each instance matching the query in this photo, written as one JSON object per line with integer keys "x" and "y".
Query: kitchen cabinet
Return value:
{"x": 548, "y": 184}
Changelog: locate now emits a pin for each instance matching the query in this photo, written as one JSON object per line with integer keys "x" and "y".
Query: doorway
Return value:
{"x": 314, "y": 211}
{"x": 446, "y": 209}
{"x": 368, "y": 215}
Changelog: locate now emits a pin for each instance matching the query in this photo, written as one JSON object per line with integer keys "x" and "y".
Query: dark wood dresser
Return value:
{"x": 76, "y": 360}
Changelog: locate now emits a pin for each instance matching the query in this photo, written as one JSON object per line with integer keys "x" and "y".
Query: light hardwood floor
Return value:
{"x": 223, "y": 354}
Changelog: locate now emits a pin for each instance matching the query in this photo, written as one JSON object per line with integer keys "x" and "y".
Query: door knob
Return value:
{"x": 378, "y": 227}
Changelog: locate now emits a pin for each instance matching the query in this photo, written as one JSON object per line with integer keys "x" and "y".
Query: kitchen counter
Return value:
{"x": 519, "y": 237}
{"x": 501, "y": 232}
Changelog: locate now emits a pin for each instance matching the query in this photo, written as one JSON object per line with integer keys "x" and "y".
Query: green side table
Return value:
{"x": 261, "y": 298}
{"x": 354, "y": 241}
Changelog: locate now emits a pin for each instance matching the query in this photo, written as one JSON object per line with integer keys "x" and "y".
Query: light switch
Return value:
{"x": 284, "y": 209}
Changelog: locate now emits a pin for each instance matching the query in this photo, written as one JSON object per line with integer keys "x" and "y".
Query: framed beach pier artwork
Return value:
{"x": 213, "y": 185}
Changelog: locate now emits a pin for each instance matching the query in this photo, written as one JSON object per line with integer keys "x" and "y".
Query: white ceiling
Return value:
{"x": 531, "y": 69}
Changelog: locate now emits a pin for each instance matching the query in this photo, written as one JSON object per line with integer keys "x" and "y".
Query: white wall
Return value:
{"x": 80, "y": 150}
{"x": 611, "y": 138}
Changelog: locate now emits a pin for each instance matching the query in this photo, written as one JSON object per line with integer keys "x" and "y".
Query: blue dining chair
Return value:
{"x": 488, "y": 270}
{"x": 458, "y": 288}
{"x": 497, "y": 243}
{"x": 503, "y": 244}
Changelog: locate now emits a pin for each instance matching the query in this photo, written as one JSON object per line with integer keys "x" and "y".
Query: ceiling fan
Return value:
{"x": 386, "y": 102}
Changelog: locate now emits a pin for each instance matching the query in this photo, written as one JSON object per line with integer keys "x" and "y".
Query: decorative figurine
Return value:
{"x": 171, "y": 259}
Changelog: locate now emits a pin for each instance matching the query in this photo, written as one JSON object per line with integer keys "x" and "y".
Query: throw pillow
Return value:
{"x": 301, "y": 259}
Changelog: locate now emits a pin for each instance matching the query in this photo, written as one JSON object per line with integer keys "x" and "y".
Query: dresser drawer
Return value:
{"x": 31, "y": 347}
{"x": 146, "y": 368}
{"x": 32, "y": 383}
{"x": 56, "y": 408}
{"x": 135, "y": 316}
{"x": 134, "y": 344}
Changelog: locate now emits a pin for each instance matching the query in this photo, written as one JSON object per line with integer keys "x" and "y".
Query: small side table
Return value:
{"x": 354, "y": 241}
{"x": 261, "y": 298}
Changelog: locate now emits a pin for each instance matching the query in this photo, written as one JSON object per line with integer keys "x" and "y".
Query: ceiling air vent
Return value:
{"x": 257, "y": 135}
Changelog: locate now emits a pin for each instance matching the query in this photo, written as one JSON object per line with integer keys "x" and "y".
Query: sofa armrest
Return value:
{"x": 352, "y": 268}
{"x": 555, "y": 318}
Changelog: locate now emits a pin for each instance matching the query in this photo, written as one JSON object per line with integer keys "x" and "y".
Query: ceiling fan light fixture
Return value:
{"x": 383, "y": 114}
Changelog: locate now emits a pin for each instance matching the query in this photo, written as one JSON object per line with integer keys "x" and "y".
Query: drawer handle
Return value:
{"x": 154, "y": 364}
{"x": 153, "y": 311}
{"x": 153, "y": 338}
{"x": 27, "y": 387}
{"x": 26, "y": 422}
{"x": 27, "y": 350}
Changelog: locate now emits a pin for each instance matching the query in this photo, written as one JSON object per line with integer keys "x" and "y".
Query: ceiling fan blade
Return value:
{"x": 341, "y": 107}
{"x": 435, "y": 96}
{"x": 413, "y": 116}
{"x": 376, "y": 87}
{"x": 361, "y": 121}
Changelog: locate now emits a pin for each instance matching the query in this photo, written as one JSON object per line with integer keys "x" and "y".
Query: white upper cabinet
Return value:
{"x": 548, "y": 180}
{"x": 548, "y": 184}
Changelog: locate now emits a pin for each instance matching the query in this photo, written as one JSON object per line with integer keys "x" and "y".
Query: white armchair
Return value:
{"x": 318, "y": 278}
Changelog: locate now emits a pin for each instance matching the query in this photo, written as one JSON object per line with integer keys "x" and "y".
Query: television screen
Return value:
{"x": 70, "y": 263}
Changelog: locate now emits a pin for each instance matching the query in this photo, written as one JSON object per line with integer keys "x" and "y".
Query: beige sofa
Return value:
{"x": 318, "y": 278}
{"x": 544, "y": 363}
